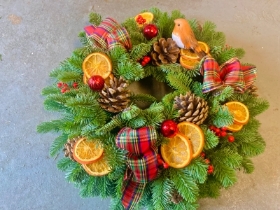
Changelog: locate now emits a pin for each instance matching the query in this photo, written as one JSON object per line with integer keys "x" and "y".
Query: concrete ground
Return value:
{"x": 36, "y": 35}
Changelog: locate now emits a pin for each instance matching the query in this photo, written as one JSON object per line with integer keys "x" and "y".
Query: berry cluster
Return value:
{"x": 65, "y": 87}
{"x": 210, "y": 169}
{"x": 145, "y": 60}
{"x": 222, "y": 132}
{"x": 140, "y": 19}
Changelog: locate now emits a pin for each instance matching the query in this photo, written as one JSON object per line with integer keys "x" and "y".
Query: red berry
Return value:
{"x": 212, "y": 127}
{"x": 207, "y": 161}
{"x": 202, "y": 154}
{"x": 64, "y": 90}
{"x": 217, "y": 130}
{"x": 96, "y": 82}
{"x": 210, "y": 169}
{"x": 169, "y": 128}
{"x": 146, "y": 59}
{"x": 223, "y": 128}
{"x": 165, "y": 165}
{"x": 231, "y": 138}
{"x": 75, "y": 85}
{"x": 143, "y": 63}
{"x": 64, "y": 85}
{"x": 59, "y": 84}
{"x": 223, "y": 133}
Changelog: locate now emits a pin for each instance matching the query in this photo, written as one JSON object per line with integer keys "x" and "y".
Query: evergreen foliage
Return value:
{"x": 81, "y": 115}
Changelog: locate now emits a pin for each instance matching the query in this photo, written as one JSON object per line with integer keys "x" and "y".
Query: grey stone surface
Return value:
{"x": 36, "y": 35}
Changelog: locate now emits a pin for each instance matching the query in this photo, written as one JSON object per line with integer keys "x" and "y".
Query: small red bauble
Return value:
{"x": 169, "y": 128}
{"x": 210, "y": 169}
{"x": 150, "y": 31}
{"x": 96, "y": 82}
{"x": 231, "y": 138}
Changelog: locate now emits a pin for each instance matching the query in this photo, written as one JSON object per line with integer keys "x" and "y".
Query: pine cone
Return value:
{"x": 191, "y": 108}
{"x": 252, "y": 90}
{"x": 176, "y": 197}
{"x": 164, "y": 51}
{"x": 115, "y": 96}
{"x": 68, "y": 148}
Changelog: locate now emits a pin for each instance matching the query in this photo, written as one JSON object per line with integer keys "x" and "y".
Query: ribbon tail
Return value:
{"x": 211, "y": 79}
{"x": 238, "y": 76}
{"x": 132, "y": 193}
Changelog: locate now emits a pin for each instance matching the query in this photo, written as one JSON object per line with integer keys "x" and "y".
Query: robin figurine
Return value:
{"x": 184, "y": 37}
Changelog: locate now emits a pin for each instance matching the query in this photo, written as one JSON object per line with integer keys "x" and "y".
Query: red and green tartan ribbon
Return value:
{"x": 108, "y": 35}
{"x": 231, "y": 73}
{"x": 142, "y": 162}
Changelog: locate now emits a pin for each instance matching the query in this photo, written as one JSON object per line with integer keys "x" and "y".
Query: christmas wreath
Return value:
{"x": 161, "y": 152}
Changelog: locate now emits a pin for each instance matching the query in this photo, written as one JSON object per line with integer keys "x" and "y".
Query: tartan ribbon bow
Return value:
{"x": 108, "y": 35}
{"x": 231, "y": 73}
{"x": 141, "y": 161}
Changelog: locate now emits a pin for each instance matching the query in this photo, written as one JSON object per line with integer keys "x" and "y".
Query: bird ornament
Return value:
{"x": 184, "y": 37}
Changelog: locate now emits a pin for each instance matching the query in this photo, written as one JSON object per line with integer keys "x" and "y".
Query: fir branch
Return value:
{"x": 255, "y": 147}
{"x": 115, "y": 122}
{"x": 58, "y": 144}
{"x": 116, "y": 204}
{"x": 196, "y": 88}
{"x": 222, "y": 117}
{"x": 226, "y": 93}
{"x": 211, "y": 140}
{"x": 95, "y": 19}
{"x": 186, "y": 205}
{"x": 154, "y": 114}
{"x": 185, "y": 185}
{"x": 137, "y": 122}
{"x": 158, "y": 194}
{"x": 247, "y": 165}
{"x": 142, "y": 97}
{"x": 179, "y": 82}
{"x": 140, "y": 50}
{"x": 54, "y": 125}
{"x": 165, "y": 25}
{"x": 64, "y": 163}
{"x": 52, "y": 105}
{"x": 211, "y": 188}
{"x": 131, "y": 112}
{"x": 175, "y": 14}
{"x": 75, "y": 173}
{"x": 224, "y": 174}
{"x": 208, "y": 29}
{"x": 50, "y": 90}
{"x": 197, "y": 170}
{"x": 69, "y": 76}
{"x": 129, "y": 70}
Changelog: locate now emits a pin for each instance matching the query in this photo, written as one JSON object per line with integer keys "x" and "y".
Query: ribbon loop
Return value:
{"x": 108, "y": 35}
{"x": 231, "y": 73}
{"x": 141, "y": 161}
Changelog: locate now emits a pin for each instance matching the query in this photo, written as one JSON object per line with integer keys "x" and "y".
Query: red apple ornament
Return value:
{"x": 169, "y": 128}
{"x": 96, "y": 83}
{"x": 150, "y": 31}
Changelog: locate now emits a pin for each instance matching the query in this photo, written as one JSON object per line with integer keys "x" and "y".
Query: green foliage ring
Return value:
{"x": 81, "y": 115}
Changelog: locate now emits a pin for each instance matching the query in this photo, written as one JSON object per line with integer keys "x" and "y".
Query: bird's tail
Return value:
{"x": 200, "y": 52}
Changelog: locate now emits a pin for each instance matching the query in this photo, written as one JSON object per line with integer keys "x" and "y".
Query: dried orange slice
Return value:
{"x": 177, "y": 152}
{"x": 97, "y": 168}
{"x": 189, "y": 54}
{"x": 195, "y": 135}
{"x": 97, "y": 64}
{"x": 148, "y": 16}
{"x": 234, "y": 127}
{"x": 86, "y": 152}
{"x": 188, "y": 63}
{"x": 239, "y": 111}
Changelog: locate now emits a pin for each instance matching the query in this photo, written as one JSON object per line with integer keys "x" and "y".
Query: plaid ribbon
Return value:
{"x": 142, "y": 162}
{"x": 108, "y": 35}
{"x": 230, "y": 73}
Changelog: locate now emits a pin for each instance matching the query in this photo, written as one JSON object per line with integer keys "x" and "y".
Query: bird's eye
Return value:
{"x": 178, "y": 24}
